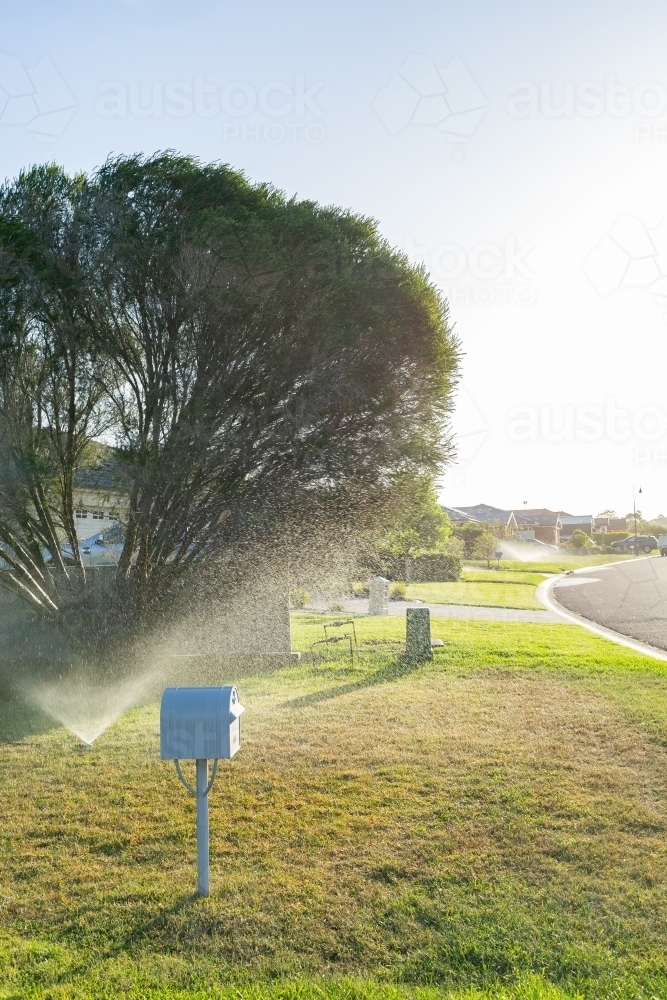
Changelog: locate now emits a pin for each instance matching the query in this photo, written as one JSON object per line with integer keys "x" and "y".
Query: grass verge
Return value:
{"x": 479, "y": 593}
{"x": 560, "y": 564}
{"x": 488, "y": 826}
{"x": 477, "y": 575}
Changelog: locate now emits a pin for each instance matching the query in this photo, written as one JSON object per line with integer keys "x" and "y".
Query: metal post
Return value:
{"x": 202, "y": 828}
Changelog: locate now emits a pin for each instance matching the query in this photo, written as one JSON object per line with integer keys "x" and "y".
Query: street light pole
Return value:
{"x": 634, "y": 514}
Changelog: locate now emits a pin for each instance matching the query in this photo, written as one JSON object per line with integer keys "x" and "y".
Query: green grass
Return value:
{"x": 558, "y": 565}
{"x": 501, "y": 576}
{"x": 488, "y": 826}
{"x": 479, "y": 593}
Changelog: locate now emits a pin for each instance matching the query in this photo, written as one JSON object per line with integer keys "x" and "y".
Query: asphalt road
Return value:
{"x": 628, "y": 597}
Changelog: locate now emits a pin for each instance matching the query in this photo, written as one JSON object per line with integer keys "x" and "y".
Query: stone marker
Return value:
{"x": 418, "y": 634}
{"x": 378, "y": 596}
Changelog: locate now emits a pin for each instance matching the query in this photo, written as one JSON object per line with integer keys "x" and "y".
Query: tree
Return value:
{"x": 647, "y": 527}
{"x": 260, "y": 364}
{"x": 420, "y": 524}
{"x": 579, "y": 539}
{"x": 485, "y": 546}
{"x": 476, "y": 538}
{"x": 51, "y": 392}
{"x": 643, "y": 527}
{"x": 608, "y": 513}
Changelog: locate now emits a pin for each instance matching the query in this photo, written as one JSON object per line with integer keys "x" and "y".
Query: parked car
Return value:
{"x": 102, "y": 549}
{"x": 645, "y": 543}
{"x": 662, "y": 544}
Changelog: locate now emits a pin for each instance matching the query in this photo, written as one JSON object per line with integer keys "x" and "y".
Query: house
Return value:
{"x": 542, "y": 524}
{"x": 605, "y": 524}
{"x": 575, "y": 522}
{"x": 539, "y": 523}
{"x": 548, "y": 526}
{"x": 483, "y": 513}
{"x": 100, "y": 498}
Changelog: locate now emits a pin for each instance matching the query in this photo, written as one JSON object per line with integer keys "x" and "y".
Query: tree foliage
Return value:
{"x": 419, "y": 522}
{"x": 258, "y": 363}
{"x": 480, "y": 541}
{"x": 579, "y": 539}
{"x": 485, "y": 546}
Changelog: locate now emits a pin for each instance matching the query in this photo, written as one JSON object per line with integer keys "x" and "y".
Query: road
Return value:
{"x": 628, "y": 597}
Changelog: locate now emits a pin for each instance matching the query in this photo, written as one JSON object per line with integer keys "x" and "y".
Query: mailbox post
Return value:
{"x": 418, "y": 635}
{"x": 378, "y": 595}
{"x": 203, "y": 879}
{"x": 200, "y": 724}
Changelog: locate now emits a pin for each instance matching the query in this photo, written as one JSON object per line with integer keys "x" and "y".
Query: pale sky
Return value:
{"x": 519, "y": 149}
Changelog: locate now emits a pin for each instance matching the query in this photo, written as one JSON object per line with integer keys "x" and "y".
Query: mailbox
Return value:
{"x": 200, "y": 723}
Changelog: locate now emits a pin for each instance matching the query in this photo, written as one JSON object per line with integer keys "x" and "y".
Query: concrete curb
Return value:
{"x": 544, "y": 594}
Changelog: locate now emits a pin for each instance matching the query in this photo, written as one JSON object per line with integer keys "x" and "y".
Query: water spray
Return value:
{"x": 200, "y": 724}
{"x": 85, "y": 707}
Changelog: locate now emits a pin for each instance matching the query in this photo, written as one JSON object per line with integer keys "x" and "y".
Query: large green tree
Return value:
{"x": 259, "y": 365}
{"x": 419, "y": 522}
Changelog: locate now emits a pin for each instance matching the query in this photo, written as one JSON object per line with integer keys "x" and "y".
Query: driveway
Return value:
{"x": 628, "y": 597}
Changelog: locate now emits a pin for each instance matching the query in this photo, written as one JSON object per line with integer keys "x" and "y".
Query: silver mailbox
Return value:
{"x": 200, "y": 723}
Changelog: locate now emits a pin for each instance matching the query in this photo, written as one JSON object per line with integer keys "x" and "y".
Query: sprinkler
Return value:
{"x": 200, "y": 724}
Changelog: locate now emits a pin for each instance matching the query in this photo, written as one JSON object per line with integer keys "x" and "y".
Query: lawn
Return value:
{"x": 483, "y": 593}
{"x": 477, "y": 575}
{"x": 489, "y": 825}
{"x": 566, "y": 561}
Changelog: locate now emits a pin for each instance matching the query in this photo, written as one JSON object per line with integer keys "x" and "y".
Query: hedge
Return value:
{"x": 436, "y": 568}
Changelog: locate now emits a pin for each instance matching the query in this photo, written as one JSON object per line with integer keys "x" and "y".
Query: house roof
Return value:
{"x": 107, "y": 477}
{"x": 482, "y": 512}
{"x": 524, "y": 518}
{"x": 457, "y": 516}
{"x": 541, "y": 517}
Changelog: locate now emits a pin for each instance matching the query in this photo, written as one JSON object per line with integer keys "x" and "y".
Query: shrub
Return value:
{"x": 360, "y": 589}
{"x": 454, "y": 546}
{"x": 433, "y": 567}
{"x": 606, "y": 538}
{"x": 436, "y": 568}
{"x": 299, "y": 598}
{"x": 479, "y": 540}
{"x": 579, "y": 539}
{"x": 398, "y": 591}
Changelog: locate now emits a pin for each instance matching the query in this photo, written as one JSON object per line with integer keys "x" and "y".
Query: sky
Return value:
{"x": 516, "y": 149}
